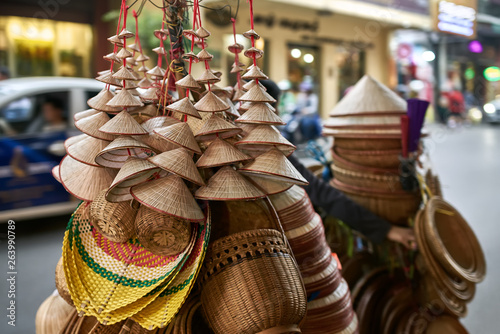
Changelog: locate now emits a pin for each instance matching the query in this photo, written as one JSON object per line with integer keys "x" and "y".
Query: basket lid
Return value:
{"x": 260, "y": 113}
{"x": 169, "y": 195}
{"x": 118, "y": 151}
{"x": 211, "y": 103}
{"x": 179, "y": 162}
{"x": 264, "y": 135}
{"x": 184, "y": 106}
{"x": 274, "y": 165}
{"x": 179, "y": 134}
{"x": 257, "y": 94}
{"x": 99, "y": 102}
{"x": 188, "y": 82}
{"x": 220, "y": 153}
{"x": 87, "y": 149}
{"x": 90, "y": 125}
{"x": 228, "y": 184}
{"x": 216, "y": 125}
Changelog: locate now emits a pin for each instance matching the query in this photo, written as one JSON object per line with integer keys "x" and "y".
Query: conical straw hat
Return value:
{"x": 87, "y": 149}
{"x": 204, "y": 55}
{"x": 124, "y": 99}
{"x": 151, "y": 94}
{"x": 268, "y": 186}
{"x": 179, "y": 162}
{"x": 184, "y": 106}
{"x": 86, "y": 113}
{"x": 152, "y": 139}
{"x": 260, "y": 113}
{"x": 159, "y": 122}
{"x": 125, "y": 34}
{"x": 252, "y": 83}
{"x": 266, "y": 136}
{"x": 245, "y": 106}
{"x": 181, "y": 135}
{"x": 202, "y": 32}
{"x": 235, "y": 48}
{"x": 216, "y": 125}
{"x": 143, "y": 68}
{"x": 220, "y": 153}
{"x": 130, "y": 86}
{"x": 123, "y": 124}
{"x": 190, "y": 55}
{"x": 211, "y": 103}
{"x": 288, "y": 198}
{"x": 363, "y": 133}
{"x": 134, "y": 47}
{"x": 99, "y": 102}
{"x": 254, "y": 73}
{"x": 236, "y": 68}
{"x": 208, "y": 76}
{"x": 108, "y": 78}
{"x": 246, "y": 128}
{"x": 124, "y": 74}
{"x": 169, "y": 195}
{"x": 145, "y": 83}
{"x": 112, "y": 57}
{"x": 161, "y": 34}
{"x": 188, "y": 82}
{"x": 367, "y": 97}
{"x": 90, "y": 125}
{"x": 233, "y": 111}
{"x": 251, "y": 33}
{"x": 148, "y": 109}
{"x": 124, "y": 53}
{"x": 156, "y": 71}
{"x": 227, "y": 184}
{"x": 160, "y": 50}
{"x": 366, "y": 122}
{"x": 274, "y": 165}
{"x": 237, "y": 94}
{"x": 56, "y": 173}
{"x": 257, "y": 94}
{"x": 73, "y": 140}
{"x": 117, "y": 152}
{"x": 142, "y": 58}
{"x": 131, "y": 62}
{"x": 84, "y": 181}
{"x": 115, "y": 40}
{"x": 253, "y": 53}
{"x": 190, "y": 33}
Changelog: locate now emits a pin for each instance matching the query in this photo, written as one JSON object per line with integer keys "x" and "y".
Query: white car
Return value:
{"x": 29, "y": 148}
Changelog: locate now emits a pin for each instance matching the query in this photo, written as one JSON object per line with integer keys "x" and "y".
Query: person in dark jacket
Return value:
{"x": 338, "y": 205}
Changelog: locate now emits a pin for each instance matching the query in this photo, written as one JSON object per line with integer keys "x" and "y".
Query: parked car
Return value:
{"x": 30, "y": 145}
{"x": 492, "y": 111}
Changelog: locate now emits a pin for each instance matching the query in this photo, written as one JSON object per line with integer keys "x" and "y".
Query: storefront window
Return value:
{"x": 303, "y": 66}
{"x": 351, "y": 65}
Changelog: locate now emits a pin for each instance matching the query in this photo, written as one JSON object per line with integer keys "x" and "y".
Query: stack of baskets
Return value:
{"x": 329, "y": 308}
{"x": 365, "y": 125}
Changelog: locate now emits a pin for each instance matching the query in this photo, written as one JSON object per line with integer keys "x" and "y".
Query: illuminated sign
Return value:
{"x": 492, "y": 73}
{"x": 457, "y": 17}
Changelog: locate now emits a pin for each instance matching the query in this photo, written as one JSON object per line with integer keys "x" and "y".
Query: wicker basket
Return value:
{"x": 395, "y": 207}
{"x": 371, "y": 158}
{"x": 368, "y": 144}
{"x": 250, "y": 283}
{"x": 388, "y": 182}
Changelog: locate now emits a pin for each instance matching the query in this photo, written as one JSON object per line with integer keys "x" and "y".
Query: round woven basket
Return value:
{"x": 161, "y": 234}
{"x": 61, "y": 284}
{"x": 368, "y": 144}
{"x": 251, "y": 284}
{"x": 388, "y": 182}
{"x": 371, "y": 158}
{"x": 52, "y": 315}
{"x": 113, "y": 220}
{"x": 354, "y": 167}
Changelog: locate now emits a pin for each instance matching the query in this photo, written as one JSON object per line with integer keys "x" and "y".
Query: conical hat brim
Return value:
{"x": 86, "y": 113}
{"x": 274, "y": 165}
{"x": 87, "y": 149}
{"x": 120, "y": 149}
{"x": 227, "y": 184}
{"x": 90, "y": 125}
{"x": 257, "y": 94}
{"x": 184, "y": 106}
{"x": 124, "y": 99}
{"x": 76, "y": 177}
{"x": 365, "y": 121}
{"x": 123, "y": 124}
{"x": 288, "y": 198}
{"x": 211, "y": 103}
{"x": 268, "y": 186}
{"x": 169, "y": 195}
{"x": 73, "y": 140}
{"x": 152, "y": 139}
{"x": 145, "y": 83}
{"x": 369, "y": 96}
{"x": 181, "y": 135}
{"x": 363, "y": 133}
{"x": 214, "y": 125}
{"x": 260, "y": 113}
{"x": 220, "y": 153}
{"x": 56, "y": 173}
{"x": 245, "y": 106}
{"x": 157, "y": 71}
{"x": 264, "y": 135}
{"x": 179, "y": 162}
{"x": 99, "y": 102}
{"x": 204, "y": 55}
{"x": 188, "y": 82}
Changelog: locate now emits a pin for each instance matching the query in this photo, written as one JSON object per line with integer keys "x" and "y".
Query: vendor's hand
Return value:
{"x": 403, "y": 235}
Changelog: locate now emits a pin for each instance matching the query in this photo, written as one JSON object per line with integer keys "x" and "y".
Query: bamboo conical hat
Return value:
{"x": 274, "y": 165}
{"x": 227, "y": 184}
{"x": 123, "y": 53}
{"x": 112, "y": 57}
{"x": 235, "y": 48}
{"x": 108, "y": 78}
{"x": 190, "y": 56}
{"x": 157, "y": 71}
{"x": 86, "y": 113}
{"x": 150, "y": 109}
{"x": 160, "y": 50}
{"x": 268, "y": 186}
{"x": 202, "y": 32}
{"x": 131, "y": 87}
{"x": 125, "y": 34}
{"x": 253, "y": 53}
{"x": 117, "y": 152}
{"x": 151, "y": 94}
{"x": 265, "y": 136}
{"x": 115, "y": 40}
{"x": 367, "y": 97}
{"x": 363, "y": 133}
{"x": 181, "y": 135}
{"x": 260, "y": 113}
{"x": 216, "y": 125}
{"x": 204, "y": 55}
{"x": 142, "y": 58}
{"x": 233, "y": 111}
{"x": 245, "y": 106}
{"x": 220, "y": 153}
{"x": 208, "y": 77}
{"x": 257, "y": 94}
{"x": 73, "y": 140}
{"x": 288, "y": 198}
{"x": 124, "y": 74}
{"x": 90, "y": 125}
{"x": 134, "y": 47}
{"x": 179, "y": 162}
{"x": 145, "y": 83}
{"x": 152, "y": 139}
{"x": 159, "y": 122}
{"x": 251, "y": 33}
{"x": 133, "y": 172}
{"x": 123, "y": 124}
{"x": 124, "y": 99}
{"x": 143, "y": 68}
{"x": 188, "y": 82}
{"x": 184, "y": 106}
{"x": 169, "y": 195}
{"x": 254, "y": 73}
{"x": 56, "y": 173}
{"x": 366, "y": 122}
{"x": 252, "y": 83}
{"x": 87, "y": 149}
{"x": 84, "y": 181}
{"x": 99, "y": 102}
{"x": 236, "y": 68}
{"x": 211, "y": 103}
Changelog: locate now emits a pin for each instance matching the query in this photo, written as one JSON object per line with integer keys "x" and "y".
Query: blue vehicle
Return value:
{"x": 30, "y": 145}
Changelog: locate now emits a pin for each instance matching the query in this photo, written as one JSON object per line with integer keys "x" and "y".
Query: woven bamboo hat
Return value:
{"x": 188, "y": 82}
{"x": 169, "y": 195}
{"x": 252, "y": 83}
{"x": 134, "y": 47}
{"x": 99, "y": 102}
{"x": 133, "y": 172}
{"x": 123, "y": 124}
{"x": 235, "y": 48}
{"x": 73, "y": 140}
{"x": 204, "y": 55}
{"x": 254, "y": 73}
{"x": 112, "y": 57}
{"x": 124, "y": 74}
{"x": 260, "y": 113}
{"x": 142, "y": 58}
{"x": 184, "y": 106}
{"x": 220, "y": 153}
{"x": 150, "y": 110}
{"x": 143, "y": 68}
{"x": 82, "y": 114}
{"x": 115, "y": 40}
{"x": 108, "y": 78}
{"x": 211, "y": 103}
{"x": 118, "y": 151}
{"x": 390, "y": 121}
{"x": 130, "y": 86}
{"x": 269, "y": 187}
{"x": 160, "y": 51}
{"x": 289, "y": 198}
{"x": 389, "y": 133}
{"x": 257, "y": 94}
{"x": 251, "y": 33}
{"x": 75, "y": 177}
{"x": 368, "y": 97}
{"x": 152, "y": 139}
{"x": 190, "y": 55}
{"x": 274, "y": 165}
{"x": 157, "y": 71}
{"x": 253, "y": 53}
{"x": 264, "y": 136}
{"x": 202, "y": 32}
{"x": 233, "y": 111}
{"x": 227, "y": 184}
{"x": 145, "y": 83}
{"x": 158, "y": 122}
{"x": 151, "y": 94}
{"x": 208, "y": 77}
{"x": 179, "y": 162}
{"x": 179, "y": 134}
{"x": 235, "y": 68}
{"x": 123, "y": 53}
{"x": 87, "y": 149}
{"x": 245, "y": 106}
{"x": 90, "y": 125}
{"x": 215, "y": 125}
{"x": 124, "y": 99}
{"x": 56, "y": 173}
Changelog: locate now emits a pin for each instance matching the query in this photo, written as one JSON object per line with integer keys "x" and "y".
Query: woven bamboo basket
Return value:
{"x": 251, "y": 284}
{"x": 368, "y": 144}
{"x": 395, "y": 207}
{"x": 371, "y": 158}
{"x": 388, "y": 182}
{"x": 52, "y": 315}
{"x": 354, "y": 167}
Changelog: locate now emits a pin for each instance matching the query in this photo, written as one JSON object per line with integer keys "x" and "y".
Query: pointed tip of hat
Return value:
{"x": 217, "y": 125}
{"x": 211, "y": 103}
{"x": 124, "y": 99}
{"x": 220, "y": 153}
{"x": 180, "y": 162}
{"x": 184, "y": 106}
{"x": 99, "y": 102}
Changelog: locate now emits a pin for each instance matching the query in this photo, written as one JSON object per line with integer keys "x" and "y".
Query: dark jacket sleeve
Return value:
{"x": 338, "y": 205}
